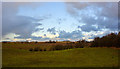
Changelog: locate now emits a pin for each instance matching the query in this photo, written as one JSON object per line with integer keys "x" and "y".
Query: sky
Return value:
{"x": 43, "y": 21}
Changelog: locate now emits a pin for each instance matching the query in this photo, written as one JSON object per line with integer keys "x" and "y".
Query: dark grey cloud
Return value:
{"x": 13, "y": 23}
{"x": 95, "y": 13}
{"x": 38, "y": 29}
{"x": 36, "y": 38}
{"x": 88, "y": 28}
{"x": 44, "y": 34}
{"x": 99, "y": 35}
{"x": 71, "y": 35}
{"x": 21, "y": 25}
{"x": 52, "y": 30}
{"x": 44, "y": 39}
{"x": 32, "y": 37}
{"x": 39, "y": 24}
{"x": 119, "y": 16}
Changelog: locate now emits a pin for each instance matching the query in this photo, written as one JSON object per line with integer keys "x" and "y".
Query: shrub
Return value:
{"x": 31, "y": 49}
{"x": 36, "y": 42}
{"x": 40, "y": 49}
{"x": 58, "y": 47}
{"x": 70, "y": 45}
{"x": 79, "y": 45}
{"x": 44, "y": 50}
{"x": 36, "y": 49}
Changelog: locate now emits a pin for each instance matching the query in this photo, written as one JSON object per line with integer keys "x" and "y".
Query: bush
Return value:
{"x": 79, "y": 45}
{"x": 44, "y": 50}
{"x": 70, "y": 46}
{"x": 36, "y": 49}
{"x": 58, "y": 47}
{"x": 31, "y": 49}
{"x": 40, "y": 49}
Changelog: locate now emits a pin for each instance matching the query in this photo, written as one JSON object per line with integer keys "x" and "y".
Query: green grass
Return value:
{"x": 78, "y": 57}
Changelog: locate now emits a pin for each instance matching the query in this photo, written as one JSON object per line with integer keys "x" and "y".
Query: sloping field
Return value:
{"x": 76, "y": 57}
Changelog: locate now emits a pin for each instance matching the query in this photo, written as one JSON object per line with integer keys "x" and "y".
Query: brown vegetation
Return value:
{"x": 110, "y": 40}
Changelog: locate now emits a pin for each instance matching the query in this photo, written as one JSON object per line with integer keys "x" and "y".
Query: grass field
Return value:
{"x": 77, "y": 57}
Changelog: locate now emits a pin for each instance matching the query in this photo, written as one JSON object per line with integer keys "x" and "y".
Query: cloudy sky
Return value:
{"x": 60, "y": 21}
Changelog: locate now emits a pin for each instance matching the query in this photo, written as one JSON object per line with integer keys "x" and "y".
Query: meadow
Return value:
{"x": 16, "y": 54}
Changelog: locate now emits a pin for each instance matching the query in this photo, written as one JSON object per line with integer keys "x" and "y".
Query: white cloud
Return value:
{"x": 91, "y": 13}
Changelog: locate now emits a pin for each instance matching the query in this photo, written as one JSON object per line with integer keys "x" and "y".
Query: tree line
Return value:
{"x": 110, "y": 40}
